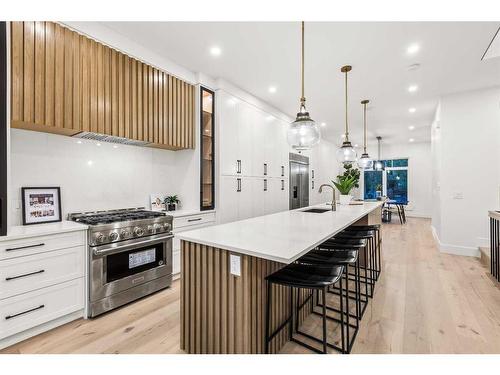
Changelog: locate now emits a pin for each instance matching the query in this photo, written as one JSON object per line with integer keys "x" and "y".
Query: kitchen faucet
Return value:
{"x": 334, "y": 204}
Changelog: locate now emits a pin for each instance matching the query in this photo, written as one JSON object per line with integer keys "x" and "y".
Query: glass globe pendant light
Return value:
{"x": 365, "y": 162}
{"x": 303, "y": 133}
{"x": 346, "y": 153}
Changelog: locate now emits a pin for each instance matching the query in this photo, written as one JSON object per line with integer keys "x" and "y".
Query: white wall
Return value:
{"x": 419, "y": 174}
{"x": 467, "y": 145}
{"x": 95, "y": 177}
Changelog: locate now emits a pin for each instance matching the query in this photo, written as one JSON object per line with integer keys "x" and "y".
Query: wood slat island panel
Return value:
{"x": 222, "y": 313}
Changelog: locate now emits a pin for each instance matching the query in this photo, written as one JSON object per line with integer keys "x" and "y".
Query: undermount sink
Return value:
{"x": 317, "y": 210}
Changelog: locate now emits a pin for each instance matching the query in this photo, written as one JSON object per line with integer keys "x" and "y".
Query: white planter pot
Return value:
{"x": 345, "y": 199}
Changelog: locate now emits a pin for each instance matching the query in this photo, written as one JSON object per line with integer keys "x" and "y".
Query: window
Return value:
{"x": 394, "y": 181}
{"x": 207, "y": 146}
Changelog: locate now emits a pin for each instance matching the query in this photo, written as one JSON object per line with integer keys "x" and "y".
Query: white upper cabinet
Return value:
{"x": 228, "y": 134}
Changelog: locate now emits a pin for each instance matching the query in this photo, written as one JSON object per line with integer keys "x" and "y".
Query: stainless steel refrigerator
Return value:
{"x": 299, "y": 181}
{"x": 3, "y": 129}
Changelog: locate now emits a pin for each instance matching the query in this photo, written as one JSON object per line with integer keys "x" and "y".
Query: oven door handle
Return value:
{"x": 119, "y": 249}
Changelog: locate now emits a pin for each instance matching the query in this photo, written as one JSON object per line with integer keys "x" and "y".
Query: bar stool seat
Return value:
{"x": 321, "y": 257}
{"x": 306, "y": 276}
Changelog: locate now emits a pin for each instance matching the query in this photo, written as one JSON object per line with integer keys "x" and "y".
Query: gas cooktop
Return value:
{"x": 114, "y": 216}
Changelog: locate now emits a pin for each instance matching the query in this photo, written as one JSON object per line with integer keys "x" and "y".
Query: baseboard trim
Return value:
{"x": 455, "y": 249}
{"x": 422, "y": 216}
{"x": 21, "y": 336}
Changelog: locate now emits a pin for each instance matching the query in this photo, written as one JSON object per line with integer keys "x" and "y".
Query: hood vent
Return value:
{"x": 110, "y": 138}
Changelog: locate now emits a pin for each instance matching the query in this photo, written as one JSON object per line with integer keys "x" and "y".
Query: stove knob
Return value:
{"x": 124, "y": 233}
{"x": 113, "y": 236}
{"x": 138, "y": 231}
{"x": 167, "y": 226}
{"x": 157, "y": 228}
{"x": 99, "y": 237}
{"x": 151, "y": 229}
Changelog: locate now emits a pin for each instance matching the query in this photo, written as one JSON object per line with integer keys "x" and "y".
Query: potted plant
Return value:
{"x": 171, "y": 201}
{"x": 344, "y": 185}
{"x": 378, "y": 189}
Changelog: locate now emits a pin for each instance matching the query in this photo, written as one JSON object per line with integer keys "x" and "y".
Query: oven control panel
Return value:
{"x": 104, "y": 235}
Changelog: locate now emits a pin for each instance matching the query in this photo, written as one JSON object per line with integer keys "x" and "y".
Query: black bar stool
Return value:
{"x": 304, "y": 276}
{"x": 369, "y": 253}
{"x": 378, "y": 242}
{"x": 346, "y": 258}
{"x": 335, "y": 244}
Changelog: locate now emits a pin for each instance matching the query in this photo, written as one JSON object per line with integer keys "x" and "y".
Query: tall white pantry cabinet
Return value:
{"x": 252, "y": 160}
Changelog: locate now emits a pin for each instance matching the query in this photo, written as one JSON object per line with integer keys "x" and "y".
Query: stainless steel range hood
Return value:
{"x": 110, "y": 138}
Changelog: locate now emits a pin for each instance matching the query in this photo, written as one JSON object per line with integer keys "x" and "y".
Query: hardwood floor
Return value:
{"x": 425, "y": 302}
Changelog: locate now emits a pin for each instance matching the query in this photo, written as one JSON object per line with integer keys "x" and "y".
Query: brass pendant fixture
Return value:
{"x": 346, "y": 153}
{"x": 365, "y": 162}
{"x": 303, "y": 133}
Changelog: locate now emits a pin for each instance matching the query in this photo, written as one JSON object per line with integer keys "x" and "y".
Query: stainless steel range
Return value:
{"x": 130, "y": 256}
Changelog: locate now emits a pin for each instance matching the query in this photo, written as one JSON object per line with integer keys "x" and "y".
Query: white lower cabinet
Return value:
{"x": 40, "y": 306}
{"x": 185, "y": 223}
{"x": 42, "y": 279}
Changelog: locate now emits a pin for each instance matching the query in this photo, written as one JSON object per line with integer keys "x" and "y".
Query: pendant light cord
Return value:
{"x": 302, "y": 99}
{"x": 364, "y": 124}
{"x": 346, "y": 126}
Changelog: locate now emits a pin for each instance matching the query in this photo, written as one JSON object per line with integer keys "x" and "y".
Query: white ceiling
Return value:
{"x": 256, "y": 55}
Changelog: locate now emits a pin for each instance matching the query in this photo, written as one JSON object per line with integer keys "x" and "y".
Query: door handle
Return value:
{"x": 265, "y": 169}
{"x": 23, "y": 275}
{"x": 24, "y": 312}
{"x": 238, "y": 166}
{"x": 312, "y": 184}
{"x": 24, "y": 247}
{"x": 282, "y": 184}
{"x": 312, "y": 173}
{"x": 238, "y": 185}
{"x": 265, "y": 184}
{"x": 282, "y": 171}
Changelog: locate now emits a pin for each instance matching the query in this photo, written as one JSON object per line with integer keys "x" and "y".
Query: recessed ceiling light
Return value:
{"x": 90, "y": 162}
{"x": 412, "y": 110}
{"x": 215, "y": 51}
{"x": 413, "y": 49}
{"x": 323, "y": 124}
{"x": 343, "y": 135}
{"x": 411, "y": 140}
{"x": 356, "y": 145}
{"x": 98, "y": 144}
{"x": 79, "y": 142}
{"x": 411, "y": 127}
{"x": 412, "y": 88}
{"x": 272, "y": 89}
{"x": 115, "y": 146}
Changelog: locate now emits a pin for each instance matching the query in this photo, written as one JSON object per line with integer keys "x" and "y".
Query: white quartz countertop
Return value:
{"x": 24, "y": 231}
{"x": 282, "y": 237}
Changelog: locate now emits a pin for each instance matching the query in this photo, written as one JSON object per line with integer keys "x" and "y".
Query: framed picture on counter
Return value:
{"x": 41, "y": 205}
{"x": 157, "y": 202}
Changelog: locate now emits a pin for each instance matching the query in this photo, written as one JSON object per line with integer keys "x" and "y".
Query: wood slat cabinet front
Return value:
{"x": 67, "y": 83}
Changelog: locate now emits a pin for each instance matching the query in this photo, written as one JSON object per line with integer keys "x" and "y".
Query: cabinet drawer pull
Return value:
{"x": 282, "y": 171}
{"x": 265, "y": 185}
{"x": 238, "y": 166}
{"x": 282, "y": 184}
{"x": 313, "y": 184}
{"x": 24, "y": 275}
{"x": 197, "y": 219}
{"x": 265, "y": 169}
{"x": 312, "y": 173}
{"x": 24, "y": 312}
{"x": 24, "y": 247}
{"x": 238, "y": 185}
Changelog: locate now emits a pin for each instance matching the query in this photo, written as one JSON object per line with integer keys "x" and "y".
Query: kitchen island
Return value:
{"x": 223, "y": 270}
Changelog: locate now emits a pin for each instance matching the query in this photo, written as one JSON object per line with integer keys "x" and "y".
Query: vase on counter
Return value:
{"x": 379, "y": 195}
{"x": 345, "y": 199}
{"x": 171, "y": 207}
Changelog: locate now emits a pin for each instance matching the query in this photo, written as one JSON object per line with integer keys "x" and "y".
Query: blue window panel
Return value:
{"x": 397, "y": 185}
{"x": 371, "y": 180}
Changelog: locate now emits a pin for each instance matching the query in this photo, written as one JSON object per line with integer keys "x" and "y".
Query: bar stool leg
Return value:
{"x": 341, "y": 315}
{"x": 348, "y": 312}
{"x": 323, "y": 296}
